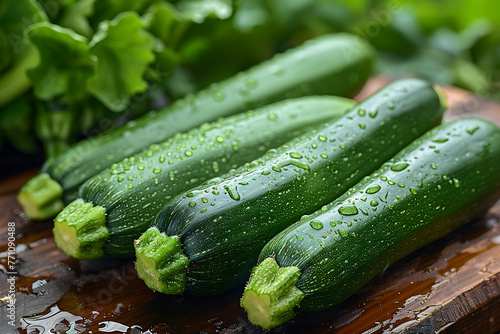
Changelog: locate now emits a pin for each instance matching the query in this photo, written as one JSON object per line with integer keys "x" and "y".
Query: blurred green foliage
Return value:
{"x": 85, "y": 61}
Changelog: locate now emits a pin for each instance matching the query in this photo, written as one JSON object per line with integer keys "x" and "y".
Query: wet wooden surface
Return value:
{"x": 449, "y": 286}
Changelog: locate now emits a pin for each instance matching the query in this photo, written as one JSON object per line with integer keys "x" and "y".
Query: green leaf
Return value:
{"x": 76, "y": 17}
{"x": 123, "y": 50}
{"x": 65, "y": 66}
{"x": 161, "y": 19}
{"x": 198, "y": 10}
{"x": 17, "y": 15}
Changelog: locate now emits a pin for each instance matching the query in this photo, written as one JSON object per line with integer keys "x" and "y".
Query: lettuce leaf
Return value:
{"x": 66, "y": 63}
{"x": 123, "y": 50}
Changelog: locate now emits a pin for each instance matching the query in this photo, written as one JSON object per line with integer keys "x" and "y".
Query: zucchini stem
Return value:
{"x": 271, "y": 295}
{"x": 161, "y": 264}
{"x": 41, "y": 197}
{"x": 80, "y": 230}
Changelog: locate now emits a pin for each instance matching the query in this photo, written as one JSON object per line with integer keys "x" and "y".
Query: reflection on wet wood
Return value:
{"x": 450, "y": 286}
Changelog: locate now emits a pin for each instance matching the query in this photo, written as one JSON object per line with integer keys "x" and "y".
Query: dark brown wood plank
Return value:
{"x": 449, "y": 286}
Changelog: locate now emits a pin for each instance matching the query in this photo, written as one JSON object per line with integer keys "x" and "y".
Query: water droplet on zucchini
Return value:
{"x": 343, "y": 233}
{"x": 373, "y": 189}
{"x": 317, "y": 225}
{"x": 348, "y": 210}
{"x": 399, "y": 166}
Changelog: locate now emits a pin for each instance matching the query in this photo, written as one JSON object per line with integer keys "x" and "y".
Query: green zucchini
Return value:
{"x": 337, "y": 64}
{"x": 118, "y": 204}
{"x": 439, "y": 182}
{"x": 220, "y": 227}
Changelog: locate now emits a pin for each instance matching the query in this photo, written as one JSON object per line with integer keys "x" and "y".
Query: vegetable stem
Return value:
{"x": 161, "y": 263}
{"x": 271, "y": 294}
{"x": 41, "y": 197}
{"x": 80, "y": 230}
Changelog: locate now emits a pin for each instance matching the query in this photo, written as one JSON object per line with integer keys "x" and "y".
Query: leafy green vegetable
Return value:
{"x": 15, "y": 16}
{"x": 121, "y": 61}
{"x": 76, "y": 17}
{"x": 66, "y": 63}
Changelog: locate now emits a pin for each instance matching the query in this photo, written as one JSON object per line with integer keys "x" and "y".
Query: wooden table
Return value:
{"x": 449, "y": 286}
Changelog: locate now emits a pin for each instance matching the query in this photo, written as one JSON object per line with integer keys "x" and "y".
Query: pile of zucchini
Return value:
{"x": 309, "y": 195}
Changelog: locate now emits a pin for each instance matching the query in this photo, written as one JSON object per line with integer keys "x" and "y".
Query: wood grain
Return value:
{"x": 449, "y": 286}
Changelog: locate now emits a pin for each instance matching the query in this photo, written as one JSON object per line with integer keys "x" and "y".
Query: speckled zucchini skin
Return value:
{"x": 439, "y": 182}
{"x": 224, "y": 224}
{"x": 134, "y": 190}
{"x": 328, "y": 65}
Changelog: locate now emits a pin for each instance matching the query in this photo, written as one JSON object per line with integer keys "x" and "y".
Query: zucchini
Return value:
{"x": 220, "y": 227}
{"x": 120, "y": 203}
{"x": 337, "y": 64}
{"x": 439, "y": 182}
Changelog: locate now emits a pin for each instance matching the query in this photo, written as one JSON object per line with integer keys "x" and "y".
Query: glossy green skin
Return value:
{"x": 328, "y": 65}
{"x": 445, "y": 185}
{"x": 246, "y": 210}
{"x": 134, "y": 190}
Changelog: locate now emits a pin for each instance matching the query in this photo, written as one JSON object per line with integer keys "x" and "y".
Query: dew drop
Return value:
{"x": 361, "y": 112}
{"x": 251, "y": 83}
{"x": 218, "y": 96}
{"x": 157, "y": 171}
{"x": 471, "y": 131}
{"x": 317, "y": 225}
{"x": 343, "y": 233}
{"x": 295, "y": 155}
{"x": 373, "y": 189}
{"x": 321, "y": 138}
{"x": 399, "y": 166}
{"x": 348, "y": 210}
